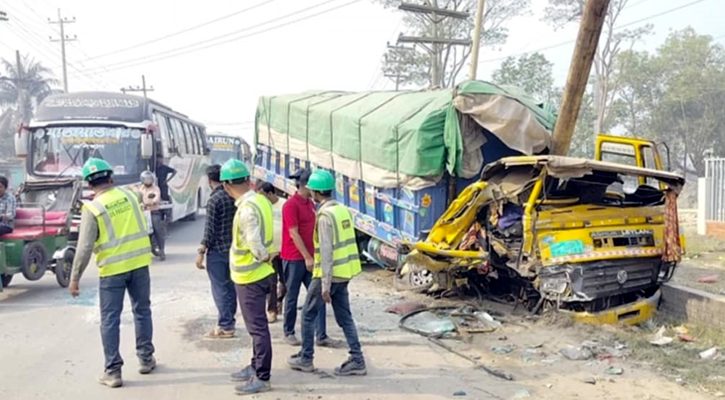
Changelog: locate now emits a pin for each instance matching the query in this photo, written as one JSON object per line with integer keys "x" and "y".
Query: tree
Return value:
{"x": 638, "y": 89}
{"x": 415, "y": 66}
{"x": 562, "y": 12}
{"x": 688, "y": 112}
{"x": 533, "y": 73}
{"x": 35, "y": 81}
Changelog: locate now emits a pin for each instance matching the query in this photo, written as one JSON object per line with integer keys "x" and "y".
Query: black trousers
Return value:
{"x": 252, "y": 300}
{"x": 5, "y": 230}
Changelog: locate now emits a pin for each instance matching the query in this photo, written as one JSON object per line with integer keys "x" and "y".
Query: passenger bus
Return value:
{"x": 131, "y": 133}
{"x": 224, "y": 147}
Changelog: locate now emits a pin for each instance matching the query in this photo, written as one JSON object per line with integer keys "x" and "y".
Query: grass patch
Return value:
{"x": 680, "y": 359}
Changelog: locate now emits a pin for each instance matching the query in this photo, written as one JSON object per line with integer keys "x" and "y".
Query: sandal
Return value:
{"x": 219, "y": 333}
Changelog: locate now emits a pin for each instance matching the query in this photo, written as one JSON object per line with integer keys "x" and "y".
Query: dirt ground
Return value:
{"x": 51, "y": 349}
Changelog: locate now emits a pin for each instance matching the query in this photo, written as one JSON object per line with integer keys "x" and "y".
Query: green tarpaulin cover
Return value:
{"x": 387, "y": 138}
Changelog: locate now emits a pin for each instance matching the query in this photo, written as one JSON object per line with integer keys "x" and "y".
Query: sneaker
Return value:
{"x": 296, "y": 363}
{"x": 146, "y": 366}
{"x": 329, "y": 342}
{"x": 162, "y": 255}
{"x": 271, "y": 317}
{"x": 219, "y": 333}
{"x": 292, "y": 340}
{"x": 244, "y": 375}
{"x": 254, "y": 386}
{"x": 351, "y": 367}
{"x": 111, "y": 379}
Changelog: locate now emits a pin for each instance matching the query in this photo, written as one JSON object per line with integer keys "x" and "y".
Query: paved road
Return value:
{"x": 50, "y": 349}
{"x": 50, "y": 344}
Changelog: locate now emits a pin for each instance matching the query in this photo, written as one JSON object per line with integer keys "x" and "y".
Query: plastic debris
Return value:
{"x": 487, "y": 319}
{"x": 614, "y": 371}
{"x": 459, "y": 393}
{"x": 660, "y": 339}
{"x": 709, "y": 354}
{"x": 685, "y": 337}
{"x": 576, "y": 354}
{"x": 503, "y": 349}
{"x": 709, "y": 279}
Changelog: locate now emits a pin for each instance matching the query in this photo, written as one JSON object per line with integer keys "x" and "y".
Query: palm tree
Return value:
{"x": 36, "y": 81}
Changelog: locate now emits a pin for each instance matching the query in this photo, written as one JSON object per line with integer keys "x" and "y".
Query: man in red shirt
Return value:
{"x": 298, "y": 227}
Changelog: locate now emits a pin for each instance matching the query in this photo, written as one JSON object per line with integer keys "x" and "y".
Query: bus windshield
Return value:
{"x": 224, "y": 148}
{"x": 62, "y": 151}
{"x": 221, "y": 156}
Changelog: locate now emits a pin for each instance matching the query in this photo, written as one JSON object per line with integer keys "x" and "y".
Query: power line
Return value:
{"x": 145, "y": 60}
{"x": 692, "y": 3}
{"x": 170, "y": 35}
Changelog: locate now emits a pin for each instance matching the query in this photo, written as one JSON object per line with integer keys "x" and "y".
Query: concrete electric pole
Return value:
{"x": 437, "y": 44}
{"x": 476, "y": 40}
{"x": 63, "y": 38}
{"x": 590, "y": 28}
{"x": 141, "y": 88}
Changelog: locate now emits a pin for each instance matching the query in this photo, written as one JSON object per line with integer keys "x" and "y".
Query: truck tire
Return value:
{"x": 6, "y": 279}
{"x": 34, "y": 261}
{"x": 63, "y": 268}
{"x": 416, "y": 281}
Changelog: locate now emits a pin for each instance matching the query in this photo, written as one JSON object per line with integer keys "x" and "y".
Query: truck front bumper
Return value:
{"x": 628, "y": 314}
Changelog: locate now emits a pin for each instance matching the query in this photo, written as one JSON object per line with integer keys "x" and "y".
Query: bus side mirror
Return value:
{"x": 21, "y": 141}
{"x": 147, "y": 146}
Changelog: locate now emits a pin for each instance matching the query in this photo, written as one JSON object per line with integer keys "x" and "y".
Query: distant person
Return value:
{"x": 274, "y": 300}
{"x": 298, "y": 227}
{"x": 215, "y": 245}
{"x": 151, "y": 200}
{"x": 8, "y": 207}
{"x": 113, "y": 227}
{"x": 164, "y": 174}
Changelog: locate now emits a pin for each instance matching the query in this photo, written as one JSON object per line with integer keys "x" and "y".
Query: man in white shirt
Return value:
{"x": 275, "y": 297}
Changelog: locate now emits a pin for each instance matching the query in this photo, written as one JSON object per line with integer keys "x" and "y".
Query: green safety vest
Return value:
{"x": 123, "y": 243}
{"x": 245, "y": 269}
{"x": 345, "y": 256}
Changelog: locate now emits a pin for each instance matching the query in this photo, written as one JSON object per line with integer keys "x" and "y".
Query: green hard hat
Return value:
{"x": 321, "y": 181}
{"x": 96, "y": 168}
{"x": 232, "y": 170}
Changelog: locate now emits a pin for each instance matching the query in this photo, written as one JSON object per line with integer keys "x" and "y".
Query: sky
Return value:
{"x": 271, "y": 47}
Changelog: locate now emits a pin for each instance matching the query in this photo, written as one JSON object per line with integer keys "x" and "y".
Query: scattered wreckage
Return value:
{"x": 593, "y": 238}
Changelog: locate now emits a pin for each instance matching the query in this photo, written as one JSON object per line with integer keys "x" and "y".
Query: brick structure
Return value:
{"x": 716, "y": 228}
{"x": 693, "y": 306}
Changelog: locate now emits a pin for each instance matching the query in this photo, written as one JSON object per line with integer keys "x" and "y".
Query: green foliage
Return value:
{"x": 415, "y": 65}
{"x": 532, "y": 73}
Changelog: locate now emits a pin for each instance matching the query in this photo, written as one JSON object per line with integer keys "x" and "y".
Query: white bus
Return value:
{"x": 224, "y": 147}
{"x": 129, "y": 132}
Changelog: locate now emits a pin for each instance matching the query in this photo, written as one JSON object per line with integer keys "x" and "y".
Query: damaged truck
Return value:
{"x": 455, "y": 191}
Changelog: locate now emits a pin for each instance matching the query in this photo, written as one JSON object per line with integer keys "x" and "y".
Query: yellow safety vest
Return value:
{"x": 245, "y": 269}
{"x": 345, "y": 256}
{"x": 123, "y": 243}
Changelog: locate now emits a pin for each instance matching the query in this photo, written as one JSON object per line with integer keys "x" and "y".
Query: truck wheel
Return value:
{"x": 6, "y": 279}
{"x": 63, "y": 268}
{"x": 34, "y": 261}
{"x": 416, "y": 280}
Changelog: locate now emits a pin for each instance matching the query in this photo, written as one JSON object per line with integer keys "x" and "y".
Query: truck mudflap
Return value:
{"x": 628, "y": 314}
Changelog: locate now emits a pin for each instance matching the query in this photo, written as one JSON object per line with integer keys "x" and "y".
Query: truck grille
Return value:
{"x": 609, "y": 278}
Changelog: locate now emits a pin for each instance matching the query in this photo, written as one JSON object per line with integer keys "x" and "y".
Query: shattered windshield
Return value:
{"x": 604, "y": 188}
{"x": 62, "y": 151}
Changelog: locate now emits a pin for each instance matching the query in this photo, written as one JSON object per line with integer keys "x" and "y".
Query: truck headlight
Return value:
{"x": 554, "y": 285}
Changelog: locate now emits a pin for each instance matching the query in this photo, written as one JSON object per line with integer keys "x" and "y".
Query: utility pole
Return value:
{"x": 590, "y": 28}
{"x": 436, "y": 16}
{"x": 476, "y": 40}
{"x": 63, "y": 38}
{"x": 397, "y": 51}
{"x": 141, "y": 88}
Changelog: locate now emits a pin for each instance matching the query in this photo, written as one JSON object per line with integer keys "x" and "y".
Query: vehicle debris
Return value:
{"x": 479, "y": 365}
{"x": 614, "y": 371}
{"x": 522, "y": 394}
{"x": 503, "y": 349}
{"x": 590, "y": 381}
{"x": 459, "y": 393}
{"x": 576, "y": 353}
{"x": 405, "y": 307}
{"x": 685, "y": 337}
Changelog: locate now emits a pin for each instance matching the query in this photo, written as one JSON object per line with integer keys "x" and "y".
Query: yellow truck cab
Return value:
{"x": 594, "y": 238}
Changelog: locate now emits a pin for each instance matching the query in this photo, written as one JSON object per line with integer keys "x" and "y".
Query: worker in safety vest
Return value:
{"x": 113, "y": 227}
{"x": 251, "y": 271}
{"x": 337, "y": 261}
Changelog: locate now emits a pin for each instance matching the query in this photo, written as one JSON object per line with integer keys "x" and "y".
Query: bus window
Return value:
{"x": 160, "y": 121}
{"x": 179, "y": 135}
{"x": 190, "y": 143}
{"x": 200, "y": 140}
